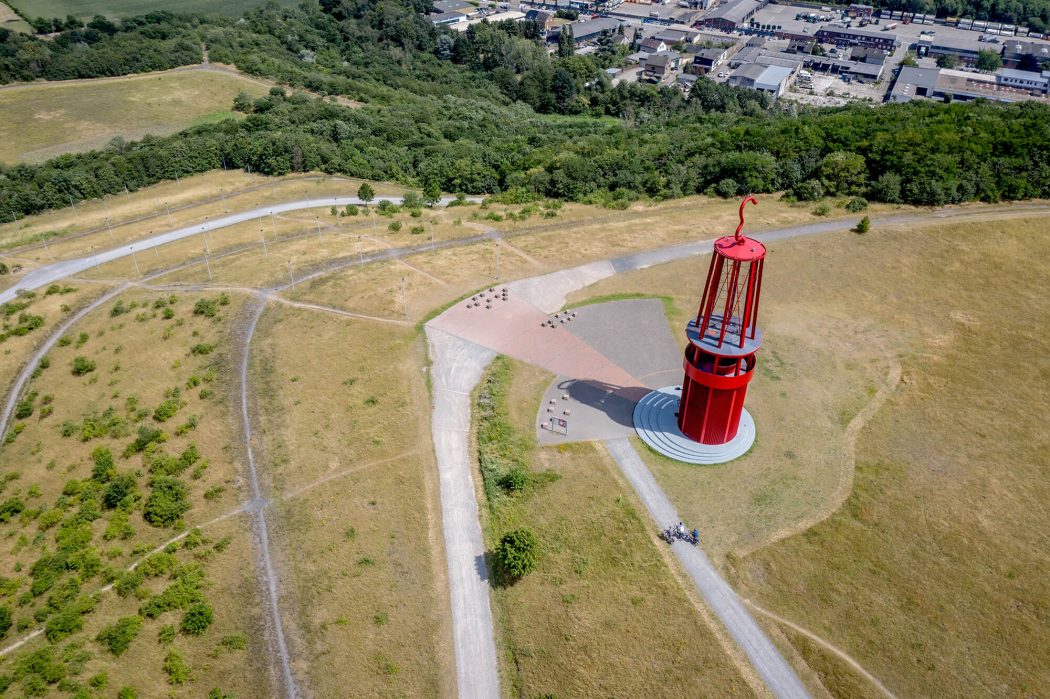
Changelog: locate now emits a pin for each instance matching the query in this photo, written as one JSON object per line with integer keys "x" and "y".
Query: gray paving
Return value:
{"x": 457, "y": 367}
{"x": 634, "y": 334}
{"x": 720, "y": 597}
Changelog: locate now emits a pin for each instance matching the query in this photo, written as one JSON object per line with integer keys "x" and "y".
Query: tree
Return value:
{"x": 365, "y": 193}
{"x": 887, "y": 188}
{"x": 118, "y": 637}
{"x": 909, "y": 60}
{"x": 947, "y": 61}
{"x": 431, "y": 192}
{"x": 863, "y": 226}
{"x": 197, "y": 619}
{"x": 989, "y": 61}
{"x": 515, "y": 555}
{"x": 842, "y": 172}
{"x": 566, "y": 42}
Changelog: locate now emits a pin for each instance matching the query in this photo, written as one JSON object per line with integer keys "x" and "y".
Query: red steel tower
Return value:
{"x": 723, "y": 339}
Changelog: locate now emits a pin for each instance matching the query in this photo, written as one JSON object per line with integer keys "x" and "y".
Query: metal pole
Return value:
{"x": 291, "y": 278}
{"x": 318, "y": 220}
{"x": 47, "y": 247}
{"x": 207, "y": 262}
{"x": 110, "y": 228}
{"x": 72, "y": 204}
{"x": 126, "y": 190}
{"x": 273, "y": 222}
{"x": 432, "y": 246}
{"x": 497, "y": 260}
{"x": 169, "y": 214}
{"x": 404, "y": 299}
{"x": 206, "y": 246}
{"x": 135, "y": 258}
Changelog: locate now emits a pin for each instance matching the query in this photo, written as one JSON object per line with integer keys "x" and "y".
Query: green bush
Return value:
{"x": 63, "y": 623}
{"x": 104, "y": 468}
{"x": 822, "y": 209}
{"x": 166, "y": 503}
{"x": 82, "y": 365}
{"x": 515, "y": 555}
{"x": 11, "y": 507}
{"x": 856, "y": 204}
{"x": 208, "y": 308}
{"x": 127, "y": 693}
{"x": 121, "y": 487}
{"x": 167, "y": 409}
{"x": 237, "y": 641}
{"x": 203, "y": 348}
{"x": 147, "y": 436}
{"x": 5, "y": 621}
{"x": 175, "y": 668}
{"x": 118, "y": 527}
{"x": 128, "y": 582}
{"x": 395, "y": 226}
{"x": 166, "y": 634}
{"x": 99, "y": 681}
{"x": 197, "y": 619}
{"x": 417, "y": 230}
{"x": 863, "y": 226}
{"x": 514, "y": 480}
{"x": 118, "y": 637}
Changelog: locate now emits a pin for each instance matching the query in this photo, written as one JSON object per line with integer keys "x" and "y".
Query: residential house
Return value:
{"x": 652, "y": 45}
{"x": 658, "y": 67}
{"x": 707, "y": 60}
{"x": 544, "y": 19}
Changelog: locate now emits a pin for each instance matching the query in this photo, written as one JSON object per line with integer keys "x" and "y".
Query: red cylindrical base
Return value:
{"x": 713, "y": 391}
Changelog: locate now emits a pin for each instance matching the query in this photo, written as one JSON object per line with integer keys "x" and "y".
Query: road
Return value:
{"x": 48, "y": 274}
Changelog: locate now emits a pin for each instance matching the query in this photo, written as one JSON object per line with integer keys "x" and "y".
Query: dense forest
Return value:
{"x": 489, "y": 111}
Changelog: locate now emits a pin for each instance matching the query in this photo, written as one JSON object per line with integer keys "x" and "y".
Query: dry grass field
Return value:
{"x": 10, "y": 20}
{"x": 346, "y": 447}
{"x": 928, "y": 575}
{"x": 85, "y": 501}
{"x": 86, "y": 9}
{"x": 79, "y": 116}
{"x": 602, "y": 615}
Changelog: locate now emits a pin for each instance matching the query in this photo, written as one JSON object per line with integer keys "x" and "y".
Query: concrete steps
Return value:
{"x": 656, "y": 423}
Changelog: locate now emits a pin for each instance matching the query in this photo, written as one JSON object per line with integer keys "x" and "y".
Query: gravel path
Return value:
{"x": 456, "y": 369}
{"x": 720, "y": 597}
{"x": 42, "y": 276}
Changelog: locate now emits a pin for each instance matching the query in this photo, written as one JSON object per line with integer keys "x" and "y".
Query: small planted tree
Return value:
{"x": 365, "y": 192}
{"x": 82, "y": 365}
{"x": 863, "y": 226}
{"x": 515, "y": 555}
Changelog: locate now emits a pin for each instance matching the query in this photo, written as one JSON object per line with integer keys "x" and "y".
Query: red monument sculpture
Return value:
{"x": 723, "y": 340}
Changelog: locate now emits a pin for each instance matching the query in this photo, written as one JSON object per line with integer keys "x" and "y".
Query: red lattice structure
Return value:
{"x": 723, "y": 340}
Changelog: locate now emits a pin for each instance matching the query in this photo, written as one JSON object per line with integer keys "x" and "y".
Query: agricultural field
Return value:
{"x": 602, "y": 613}
{"x": 890, "y": 506}
{"x": 130, "y": 8}
{"x": 74, "y": 116}
{"x": 9, "y": 19}
{"x": 122, "y": 510}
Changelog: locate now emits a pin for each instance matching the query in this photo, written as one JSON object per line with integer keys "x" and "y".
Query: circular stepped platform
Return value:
{"x": 656, "y": 423}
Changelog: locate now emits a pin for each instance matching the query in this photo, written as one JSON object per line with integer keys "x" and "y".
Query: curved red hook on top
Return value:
{"x": 747, "y": 199}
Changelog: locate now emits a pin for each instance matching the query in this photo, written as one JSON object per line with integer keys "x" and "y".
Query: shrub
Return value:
{"x": 856, "y": 204}
{"x": 118, "y": 527}
{"x": 197, "y": 619}
{"x": 82, "y": 339}
{"x": 63, "y": 623}
{"x": 166, "y": 634}
{"x": 121, "y": 487}
{"x": 515, "y": 555}
{"x": 82, "y": 365}
{"x": 395, "y": 226}
{"x": 863, "y": 226}
{"x": 514, "y": 480}
{"x": 167, "y": 409}
{"x": 821, "y": 209}
{"x": 11, "y": 507}
{"x": 158, "y": 564}
{"x": 175, "y": 668}
{"x": 351, "y": 210}
{"x": 127, "y": 693}
{"x": 118, "y": 309}
{"x": 146, "y": 437}
{"x": 417, "y": 230}
{"x": 5, "y": 621}
{"x": 202, "y": 349}
{"x": 208, "y": 308}
{"x": 103, "y": 470}
{"x": 128, "y": 582}
{"x": 99, "y": 681}
{"x": 166, "y": 503}
{"x": 24, "y": 408}
{"x": 118, "y": 637}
